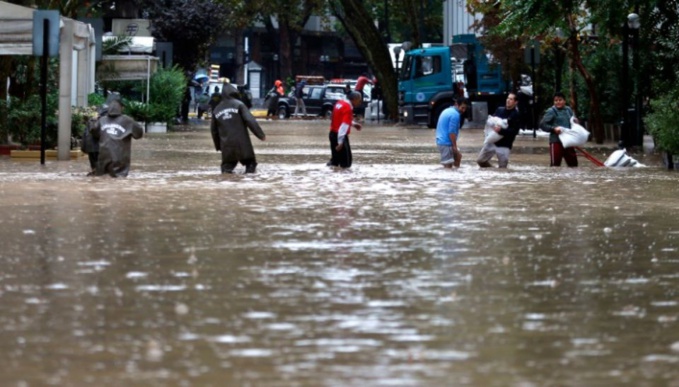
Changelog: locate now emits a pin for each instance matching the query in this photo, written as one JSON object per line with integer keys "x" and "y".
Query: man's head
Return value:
{"x": 115, "y": 108}
{"x": 460, "y": 104}
{"x": 511, "y": 101}
{"x": 230, "y": 91}
{"x": 559, "y": 100}
{"x": 355, "y": 98}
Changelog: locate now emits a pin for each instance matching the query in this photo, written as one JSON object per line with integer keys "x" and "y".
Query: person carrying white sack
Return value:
{"x": 499, "y": 142}
{"x": 556, "y": 120}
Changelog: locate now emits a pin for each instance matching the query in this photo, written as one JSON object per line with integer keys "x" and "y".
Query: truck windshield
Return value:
{"x": 423, "y": 66}
{"x": 406, "y": 67}
{"x": 427, "y": 65}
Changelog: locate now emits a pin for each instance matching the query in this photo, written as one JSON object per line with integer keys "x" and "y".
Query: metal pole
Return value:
{"x": 624, "y": 99}
{"x": 532, "y": 109}
{"x": 43, "y": 88}
{"x": 638, "y": 134}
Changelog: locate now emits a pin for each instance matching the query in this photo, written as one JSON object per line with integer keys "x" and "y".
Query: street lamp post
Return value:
{"x": 634, "y": 24}
{"x": 630, "y": 137}
{"x": 397, "y": 53}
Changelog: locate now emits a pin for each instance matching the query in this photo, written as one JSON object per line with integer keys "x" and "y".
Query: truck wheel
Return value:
{"x": 434, "y": 117}
{"x": 327, "y": 112}
{"x": 282, "y": 112}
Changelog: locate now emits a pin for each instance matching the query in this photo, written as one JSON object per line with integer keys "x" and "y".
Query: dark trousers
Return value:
{"x": 342, "y": 158}
{"x": 557, "y": 152}
{"x": 93, "y": 157}
{"x": 229, "y": 166}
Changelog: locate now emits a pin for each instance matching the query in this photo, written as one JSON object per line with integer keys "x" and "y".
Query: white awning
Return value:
{"x": 76, "y": 76}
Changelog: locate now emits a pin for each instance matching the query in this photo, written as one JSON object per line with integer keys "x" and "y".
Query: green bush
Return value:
{"x": 137, "y": 110}
{"x": 167, "y": 90}
{"x": 95, "y": 99}
{"x": 79, "y": 118}
{"x": 25, "y": 117}
{"x": 663, "y": 121}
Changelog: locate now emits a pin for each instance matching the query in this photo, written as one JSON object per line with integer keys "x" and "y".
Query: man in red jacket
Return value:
{"x": 340, "y": 127}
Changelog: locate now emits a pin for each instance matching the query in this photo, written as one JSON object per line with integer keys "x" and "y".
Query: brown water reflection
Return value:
{"x": 394, "y": 273}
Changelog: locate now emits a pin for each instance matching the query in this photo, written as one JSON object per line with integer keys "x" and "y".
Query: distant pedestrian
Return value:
{"x": 215, "y": 98}
{"x": 231, "y": 120}
{"x": 448, "y": 133}
{"x": 90, "y": 146}
{"x": 556, "y": 119}
{"x": 114, "y": 133}
{"x": 362, "y": 81}
{"x": 300, "y": 107}
{"x": 340, "y": 128}
{"x": 503, "y": 147}
{"x": 272, "y": 98}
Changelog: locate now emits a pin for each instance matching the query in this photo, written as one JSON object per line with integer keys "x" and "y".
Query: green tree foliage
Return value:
{"x": 663, "y": 121}
{"x": 508, "y": 50}
{"x": 191, "y": 25}
{"x": 663, "y": 33}
{"x": 416, "y": 21}
{"x": 540, "y": 19}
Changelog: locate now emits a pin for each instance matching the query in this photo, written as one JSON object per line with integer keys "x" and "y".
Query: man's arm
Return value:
{"x": 453, "y": 130}
{"x": 453, "y": 140}
{"x": 547, "y": 120}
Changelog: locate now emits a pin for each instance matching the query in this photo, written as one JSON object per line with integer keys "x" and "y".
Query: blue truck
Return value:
{"x": 430, "y": 77}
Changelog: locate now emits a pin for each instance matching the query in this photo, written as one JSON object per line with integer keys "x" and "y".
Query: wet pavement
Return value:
{"x": 396, "y": 272}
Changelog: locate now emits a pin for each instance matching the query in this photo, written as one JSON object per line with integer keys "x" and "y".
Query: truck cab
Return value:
{"x": 431, "y": 77}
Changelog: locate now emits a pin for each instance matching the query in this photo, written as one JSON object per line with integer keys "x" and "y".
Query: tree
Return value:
{"x": 508, "y": 50}
{"x": 359, "y": 23}
{"x": 192, "y": 26}
{"x": 417, "y": 21}
{"x": 540, "y": 19}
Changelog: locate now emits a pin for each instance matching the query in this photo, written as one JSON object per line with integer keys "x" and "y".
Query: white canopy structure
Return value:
{"x": 76, "y": 61}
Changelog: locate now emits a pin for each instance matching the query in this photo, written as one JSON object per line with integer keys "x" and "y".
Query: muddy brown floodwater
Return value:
{"x": 394, "y": 273}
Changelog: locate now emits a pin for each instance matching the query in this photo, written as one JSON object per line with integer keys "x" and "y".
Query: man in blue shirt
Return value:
{"x": 448, "y": 131}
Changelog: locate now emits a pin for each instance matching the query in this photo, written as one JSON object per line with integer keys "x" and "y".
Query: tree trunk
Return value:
{"x": 285, "y": 51}
{"x": 240, "y": 57}
{"x": 414, "y": 22}
{"x": 596, "y": 125}
{"x": 358, "y": 23}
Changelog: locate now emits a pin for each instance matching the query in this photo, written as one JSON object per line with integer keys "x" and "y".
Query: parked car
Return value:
{"x": 318, "y": 99}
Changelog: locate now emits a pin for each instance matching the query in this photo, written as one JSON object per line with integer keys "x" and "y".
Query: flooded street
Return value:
{"x": 394, "y": 273}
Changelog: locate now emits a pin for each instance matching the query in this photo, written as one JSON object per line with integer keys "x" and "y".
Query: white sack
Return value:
{"x": 489, "y": 132}
{"x": 620, "y": 158}
{"x": 575, "y": 136}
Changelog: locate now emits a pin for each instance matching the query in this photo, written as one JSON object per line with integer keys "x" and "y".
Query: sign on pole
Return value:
{"x": 532, "y": 52}
{"x": 46, "y": 20}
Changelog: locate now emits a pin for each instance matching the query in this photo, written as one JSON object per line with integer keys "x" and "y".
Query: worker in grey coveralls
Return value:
{"x": 231, "y": 120}
{"x": 114, "y": 133}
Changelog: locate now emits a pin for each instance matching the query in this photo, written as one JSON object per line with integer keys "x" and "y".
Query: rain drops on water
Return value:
{"x": 608, "y": 230}
{"x": 192, "y": 257}
{"x": 675, "y": 346}
{"x": 181, "y": 309}
{"x": 154, "y": 352}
